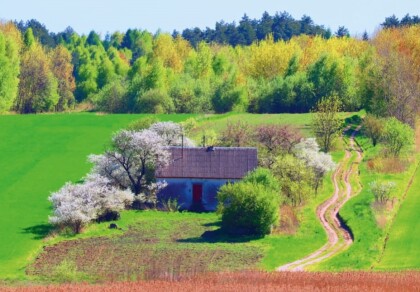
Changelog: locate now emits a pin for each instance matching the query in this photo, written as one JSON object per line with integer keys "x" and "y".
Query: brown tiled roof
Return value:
{"x": 201, "y": 162}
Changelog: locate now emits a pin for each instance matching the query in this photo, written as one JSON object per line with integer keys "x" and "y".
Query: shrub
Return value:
{"x": 264, "y": 177}
{"x": 155, "y": 101}
{"x": 248, "y": 208}
{"x": 75, "y": 205}
{"x": 382, "y": 190}
{"x": 236, "y": 134}
{"x": 397, "y": 136}
{"x": 296, "y": 179}
{"x": 142, "y": 124}
{"x": 373, "y": 128}
{"x": 111, "y": 98}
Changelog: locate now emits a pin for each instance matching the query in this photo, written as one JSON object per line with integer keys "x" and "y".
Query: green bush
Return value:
{"x": 143, "y": 123}
{"x": 264, "y": 177}
{"x": 248, "y": 208}
{"x": 382, "y": 190}
{"x": 155, "y": 101}
{"x": 397, "y": 136}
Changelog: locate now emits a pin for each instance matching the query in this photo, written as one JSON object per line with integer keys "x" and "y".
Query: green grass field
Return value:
{"x": 38, "y": 154}
{"x": 218, "y": 122}
{"x": 402, "y": 251}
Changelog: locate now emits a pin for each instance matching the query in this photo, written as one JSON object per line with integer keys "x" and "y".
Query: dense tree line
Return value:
{"x": 138, "y": 71}
{"x": 282, "y": 26}
{"x": 407, "y": 20}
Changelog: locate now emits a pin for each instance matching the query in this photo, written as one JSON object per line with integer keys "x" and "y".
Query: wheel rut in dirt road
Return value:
{"x": 338, "y": 233}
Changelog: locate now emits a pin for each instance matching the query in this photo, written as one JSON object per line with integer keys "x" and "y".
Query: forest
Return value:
{"x": 272, "y": 65}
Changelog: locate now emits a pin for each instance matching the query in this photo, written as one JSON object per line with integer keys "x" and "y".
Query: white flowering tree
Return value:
{"x": 120, "y": 176}
{"x": 171, "y": 133}
{"x": 133, "y": 159}
{"x": 75, "y": 205}
{"x": 308, "y": 150}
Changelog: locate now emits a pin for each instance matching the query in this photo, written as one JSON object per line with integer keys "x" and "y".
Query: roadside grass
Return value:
{"x": 359, "y": 215}
{"x": 310, "y": 236}
{"x": 38, "y": 154}
{"x": 402, "y": 243}
{"x": 402, "y": 250}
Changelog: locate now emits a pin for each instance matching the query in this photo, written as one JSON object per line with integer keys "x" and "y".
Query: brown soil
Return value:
{"x": 142, "y": 254}
{"x": 255, "y": 281}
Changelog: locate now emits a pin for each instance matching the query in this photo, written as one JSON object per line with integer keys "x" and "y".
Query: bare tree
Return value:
{"x": 273, "y": 140}
{"x": 236, "y": 134}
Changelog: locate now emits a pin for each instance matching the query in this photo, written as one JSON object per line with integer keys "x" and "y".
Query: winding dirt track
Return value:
{"x": 339, "y": 238}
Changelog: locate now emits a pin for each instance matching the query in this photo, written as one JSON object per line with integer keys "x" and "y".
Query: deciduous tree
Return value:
{"x": 9, "y": 72}
{"x": 132, "y": 160}
{"x": 397, "y": 136}
{"x": 326, "y": 122}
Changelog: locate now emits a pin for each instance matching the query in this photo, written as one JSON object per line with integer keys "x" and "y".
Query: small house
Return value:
{"x": 195, "y": 174}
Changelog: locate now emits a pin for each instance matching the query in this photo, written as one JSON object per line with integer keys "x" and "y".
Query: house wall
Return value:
{"x": 182, "y": 190}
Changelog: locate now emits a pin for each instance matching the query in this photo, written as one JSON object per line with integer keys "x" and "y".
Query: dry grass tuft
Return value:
{"x": 383, "y": 164}
{"x": 289, "y": 222}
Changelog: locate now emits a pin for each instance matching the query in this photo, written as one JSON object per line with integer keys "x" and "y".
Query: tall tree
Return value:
{"x": 9, "y": 64}
{"x": 342, "y": 32}
{"x": 326, "y": 122}
{"x": 62, "y": 69}
{"x": 38, "y": 86}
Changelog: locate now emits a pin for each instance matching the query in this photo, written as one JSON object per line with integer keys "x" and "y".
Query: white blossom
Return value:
{"x": 149, "y": 194}
{"x": 132, "y": 161}
{"x": 171, "y": 133}
{"x": 77, "y": 204}
{"x": 321, "y": 163}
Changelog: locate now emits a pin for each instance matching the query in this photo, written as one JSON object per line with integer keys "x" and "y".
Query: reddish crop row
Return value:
{"x": 257, "y": 281}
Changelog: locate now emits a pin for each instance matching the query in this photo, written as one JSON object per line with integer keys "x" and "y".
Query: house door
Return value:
{"x": 197, "y": 193}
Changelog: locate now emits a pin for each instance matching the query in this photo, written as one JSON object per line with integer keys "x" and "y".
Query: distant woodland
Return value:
{"x": 274, "y": 64}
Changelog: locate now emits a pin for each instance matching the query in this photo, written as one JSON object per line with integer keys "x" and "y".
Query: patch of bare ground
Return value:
{"x": 382, "y": 210}
{"x": 255, "y": 281}
{"x": 143, "y": 252}
{"x": 289, "y": 222}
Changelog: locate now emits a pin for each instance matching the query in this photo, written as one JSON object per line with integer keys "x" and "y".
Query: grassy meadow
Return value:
{"x": 39, "y": 153}
{"x": 402, "y": 248}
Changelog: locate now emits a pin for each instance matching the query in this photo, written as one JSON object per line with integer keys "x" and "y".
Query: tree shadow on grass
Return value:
{"x": 354, "y": 120}
{"x": 219, "y": 236}
{"x": 39, "y": 231}
{"x": 213, "y": 224}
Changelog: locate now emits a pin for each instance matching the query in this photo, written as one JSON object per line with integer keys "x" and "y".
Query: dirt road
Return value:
{"x": 339, "y": 237}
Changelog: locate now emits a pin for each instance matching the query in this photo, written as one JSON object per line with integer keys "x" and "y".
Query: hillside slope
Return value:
{"x": 38, "y": 154}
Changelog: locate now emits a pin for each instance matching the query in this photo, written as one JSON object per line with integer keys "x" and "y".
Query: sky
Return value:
{"x": 105, "y": 16}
